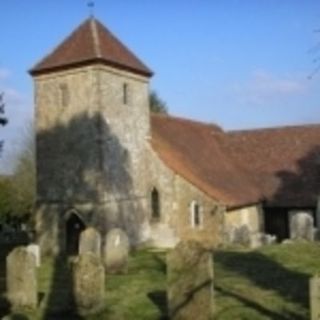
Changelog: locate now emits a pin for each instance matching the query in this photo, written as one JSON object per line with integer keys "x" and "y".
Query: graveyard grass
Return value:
{"x": 269, "y": 283}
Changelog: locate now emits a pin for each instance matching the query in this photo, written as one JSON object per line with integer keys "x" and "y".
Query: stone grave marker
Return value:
{"x": 35, "y": 250}
{"x": 314, "y": 296}
{"x": 116, "y": 251}
{"x": 190, "y": 282}
{"x": 21, "y": 279}
{"x": 90, "y": 241}
{"x": 88, "y": 284}
{"x": 242, "y": 235}
{"x": 301, "y": 225}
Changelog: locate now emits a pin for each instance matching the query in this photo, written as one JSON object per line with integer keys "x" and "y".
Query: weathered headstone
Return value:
{"x": 116, "y": 251}
{"x": 314, "y": 296}
{"x": 301, "y": 225}
{"x": 21, "y": 279}
{"x": 256, "y": 240}
{"x": 88, "y": 284}
{"x": 190, "y": 282}
{"x": 35, "y": 250}
{"x": 90, "y": 241}
{"x": 270, "y": 239}
{"x": 242, "y": 235}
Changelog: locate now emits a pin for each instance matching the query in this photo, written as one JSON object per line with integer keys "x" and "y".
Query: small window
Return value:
{"x": 125, "y": 92}
{"x": 196, "y": 215}
{"x": 155, "y": 204}
{"x": 64, "y": 93}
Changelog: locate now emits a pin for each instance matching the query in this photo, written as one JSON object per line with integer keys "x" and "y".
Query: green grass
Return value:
{"x": 269, "y": 283}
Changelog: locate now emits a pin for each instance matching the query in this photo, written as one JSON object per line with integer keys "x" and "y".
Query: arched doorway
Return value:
{"x": 74, "y": 226}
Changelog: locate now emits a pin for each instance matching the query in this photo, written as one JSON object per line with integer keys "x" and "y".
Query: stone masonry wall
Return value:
{"x": 90, "y": 145}
{"x": 52, "y": 218}
{"x": 67, "y": 150}
{"x": 176, "y": 196}
{"x": 250, "y": 218}
{"x": 91, "y": 151}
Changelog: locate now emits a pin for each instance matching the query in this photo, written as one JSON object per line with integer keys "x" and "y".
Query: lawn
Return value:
{"x": 269, "y": 283}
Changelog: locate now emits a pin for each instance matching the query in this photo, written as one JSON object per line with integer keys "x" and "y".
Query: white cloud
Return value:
{"x": 263, "y": 87}
{"x": 4, "y": 74}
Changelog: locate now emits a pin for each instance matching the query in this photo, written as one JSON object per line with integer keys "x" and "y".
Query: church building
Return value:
{"x": 104, "y": 161}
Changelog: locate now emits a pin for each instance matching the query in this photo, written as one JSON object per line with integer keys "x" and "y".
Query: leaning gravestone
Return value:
{"x": 301, "y": 225}
{"x": 88, "y": 284}
{"x": 35, "y": 250}
{"x": 90, "y": 241}
{"x": 314, "y": 296}
{"x": 190, "y": 282}
{"x": 116, "y": 251}
{"x": 21, "y": 279}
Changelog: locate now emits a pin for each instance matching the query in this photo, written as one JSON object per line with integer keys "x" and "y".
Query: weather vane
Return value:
{"x": 91, "y": 5}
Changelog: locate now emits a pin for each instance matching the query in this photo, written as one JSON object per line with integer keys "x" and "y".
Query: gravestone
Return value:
{"x": 35, "y": 250}
{"x": 190, "y": 282}
{"x": 242, "y": 235}
{"x": 314, "y": 296}
{"x": 301, "y": 225}
{"x": 116, "y": 251}
{"x": 21, "y": 279}
{"x": 90, "y": 241}
{"x": 256, "y": 240}
{"x": 88, "y": 284}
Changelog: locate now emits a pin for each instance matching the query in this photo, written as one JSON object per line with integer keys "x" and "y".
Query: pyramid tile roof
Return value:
{"x": 91, "y": 43}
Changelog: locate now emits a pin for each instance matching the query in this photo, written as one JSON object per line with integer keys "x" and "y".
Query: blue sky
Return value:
{"x": 238, "y": 63}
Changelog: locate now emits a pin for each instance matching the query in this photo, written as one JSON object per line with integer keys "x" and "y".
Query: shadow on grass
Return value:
{"x": 60, "y": 302}
{"x": 254, "y": 306}
{"x": 161, "y": 263}
{"x": 18, "y": 316}
{"x": 159, "y": 299}
{"x": 5, "y": 307}
{"x": 267, "y": 274}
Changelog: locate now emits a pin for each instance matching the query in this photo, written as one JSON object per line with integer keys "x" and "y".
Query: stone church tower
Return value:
{"x": 92, "y": 122}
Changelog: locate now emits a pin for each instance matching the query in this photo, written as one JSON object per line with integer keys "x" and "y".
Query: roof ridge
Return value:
{"x": 187, "y": 120}
{"x": 95, "y": 37}
{"x": 56, "y": 47}
{"x": 285, "y": 127}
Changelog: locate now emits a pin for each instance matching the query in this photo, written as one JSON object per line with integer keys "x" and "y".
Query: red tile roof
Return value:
{"x": 194, "y": 151}
{"x": 285, "y": 162}
{"x": 280, "y": 165}
{"x": 91, "y": 43}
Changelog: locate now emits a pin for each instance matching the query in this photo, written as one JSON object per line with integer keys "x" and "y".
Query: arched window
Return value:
{"x": 196, "y": 215}
{"x": 155, "y": 204}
